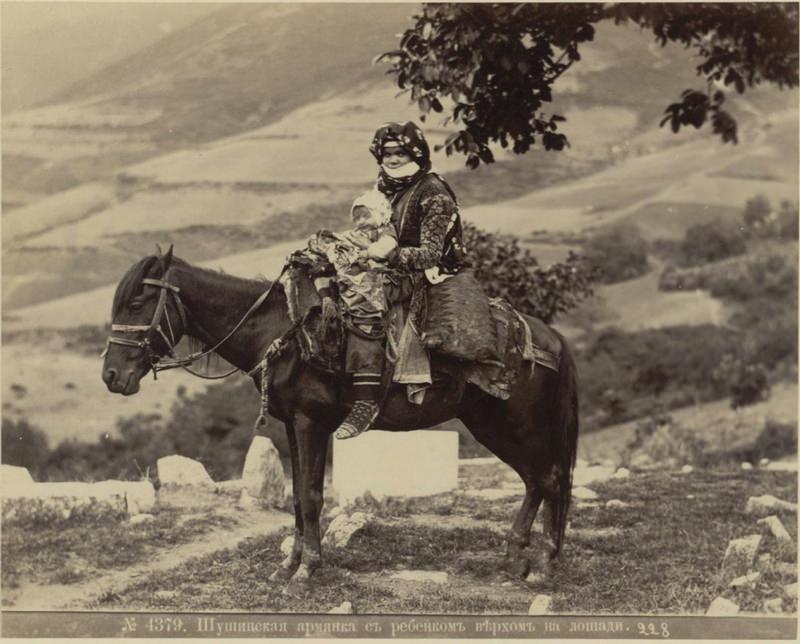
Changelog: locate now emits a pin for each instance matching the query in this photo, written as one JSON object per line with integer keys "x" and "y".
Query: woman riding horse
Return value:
{"x": 425, "y": 215}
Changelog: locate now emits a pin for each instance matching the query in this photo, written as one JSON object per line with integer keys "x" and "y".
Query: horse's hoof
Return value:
{"x": 281, "y": 574}
{"x": 519, "y": 568}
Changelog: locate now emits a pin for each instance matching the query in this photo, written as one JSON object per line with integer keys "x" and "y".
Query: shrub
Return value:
{"x": 619, "y": 252}
{"x": 661, "y": 441}
{"x": 749, "y": 385}
{"x": 24, "y": 445}
{"x": 712, "y": 241}
{"x": 776, "y": 440}
{"x": 506, "y": 270}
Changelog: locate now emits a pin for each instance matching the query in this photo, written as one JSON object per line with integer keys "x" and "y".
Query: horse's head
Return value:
{"x": 147, "y": 319}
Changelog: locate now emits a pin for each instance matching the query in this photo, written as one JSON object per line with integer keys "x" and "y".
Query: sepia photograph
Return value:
{"x": 399, "y": 320}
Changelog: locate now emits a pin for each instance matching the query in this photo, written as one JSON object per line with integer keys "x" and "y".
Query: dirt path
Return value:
{"x": 251, "y": 523}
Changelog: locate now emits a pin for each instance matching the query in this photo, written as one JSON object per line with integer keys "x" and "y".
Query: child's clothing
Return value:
{"x": 373, "y": 236}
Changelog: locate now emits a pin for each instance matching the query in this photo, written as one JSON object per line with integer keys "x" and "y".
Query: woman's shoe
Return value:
{"x": 359, "y": 420}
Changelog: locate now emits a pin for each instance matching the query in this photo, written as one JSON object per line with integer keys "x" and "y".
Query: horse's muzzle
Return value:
{"x": 126, "y": 385}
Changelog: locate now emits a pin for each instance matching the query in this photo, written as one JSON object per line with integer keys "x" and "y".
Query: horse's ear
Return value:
{"x": 166, "y": 258}
{"x": 158, "y": 250}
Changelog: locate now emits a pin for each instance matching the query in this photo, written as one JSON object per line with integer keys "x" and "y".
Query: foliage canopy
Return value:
{"x": 495, "y": 64}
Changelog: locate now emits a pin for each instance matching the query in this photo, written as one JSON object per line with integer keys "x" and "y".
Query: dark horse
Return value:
{"x": 161, "y": 298}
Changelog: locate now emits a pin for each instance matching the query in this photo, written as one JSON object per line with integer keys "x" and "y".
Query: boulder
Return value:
{"x": 747, "y": 466}
{"x": 141, "y": 518}
{"x": 140, "y": 496}
{"x": 687, "y": 469}
{"x": 595, "y": 473}
{"x": 616, "y": 504}
{"x": 12, "y": 476}
{"x": 345, "y": 608}
{"x": 246, "y": 502}
{"x": 59, "y": 501}
{"x": 763, "y": 462}
{"x": 791, "y": 590}
{"x": 535, "y": 578}
{"x": 776, "y": 528}
{"x": 621, "y": 474}
{"x": 741, "y": 553}
{"x": 287, "y": 545}
{"x": 540, "y": 605}
{"x": 422, "y": 576}
{"x": 722, "y": 607}
{"x": 773, "y": 605}
{"x": 179, "y": 470}
{"x": 584, "y": 493}
{"x": 263, "y": 472}
{"x": 343, "y": 528}
{"x": 746, "y": 580}
{"x": 767, "y": 504}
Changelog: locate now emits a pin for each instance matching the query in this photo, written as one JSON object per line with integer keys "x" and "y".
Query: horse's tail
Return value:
{"x": 565, "y": 440}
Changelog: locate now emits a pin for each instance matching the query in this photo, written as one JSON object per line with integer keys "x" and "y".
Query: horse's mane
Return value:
{"x": 131, "y": 282}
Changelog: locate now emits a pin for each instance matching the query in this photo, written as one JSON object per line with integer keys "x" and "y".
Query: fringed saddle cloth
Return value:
{"x": 522, "y": 342}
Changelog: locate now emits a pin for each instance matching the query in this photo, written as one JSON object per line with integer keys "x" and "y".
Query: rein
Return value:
{"x": 159, "y": 363}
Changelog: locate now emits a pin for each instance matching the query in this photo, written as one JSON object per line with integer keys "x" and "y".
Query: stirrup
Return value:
{"x": 359, "y": 420}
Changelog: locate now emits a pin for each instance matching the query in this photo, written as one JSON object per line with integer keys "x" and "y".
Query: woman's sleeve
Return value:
{"x": 437, "y": 211}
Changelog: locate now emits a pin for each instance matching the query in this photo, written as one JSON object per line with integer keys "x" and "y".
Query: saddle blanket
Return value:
{"x": 521, "y": 343}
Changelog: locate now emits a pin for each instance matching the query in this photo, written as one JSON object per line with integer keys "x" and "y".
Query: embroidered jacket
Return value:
{"x": 428, "y": 227}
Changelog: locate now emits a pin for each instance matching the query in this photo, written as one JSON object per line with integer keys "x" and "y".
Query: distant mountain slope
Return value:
{"x": 49, "y": 46}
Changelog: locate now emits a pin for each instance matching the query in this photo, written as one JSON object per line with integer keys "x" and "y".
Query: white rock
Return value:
{"x": 747, "y": 466}
{"x": 746, "y": 580}
{"x": 687, "y": 469}
{"x": 346, "y": 608}
{"x": 287, "y": 544}
{"x": 773, "y": 605}
{"x": 721, "y": 607}
{"x": 764, "y": 561}
{"x": 584, "y": 493}
{"x": 784, "y": 465}
{"x": 592, "y": 474}
{"x": 776, "y": 527}
{"x": 422, "y": 576}
{"x": 263, "y": 472}
{"x": 12, "y": 476}
{"x": 343, "y": 528}
{"x": 179, "y": 470}
{"x": 140, "y": 496}
{"x": 141, "y": 518}
{"x": 65, "y": 500}
{"x": 246, "y": 502}
{"x": 384, "y": 464}
{"x": 767, "y": 504}
{"x": 540, "y": 605}
{"x": 763, "y": 462}
{"x": 621, "y": 474}
{"x": 493, "y": 494}
{"x": 614, "y": 504}
{"x": 165, "y": 594}
{"x": 791, "y": 590}
{"x": 742, "y": 552}
{"x": 690, "y": 496}
{"x": 535, "y": 578}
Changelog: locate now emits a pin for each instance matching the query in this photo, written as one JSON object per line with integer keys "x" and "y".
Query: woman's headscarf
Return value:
{"x": 409, "y": 137}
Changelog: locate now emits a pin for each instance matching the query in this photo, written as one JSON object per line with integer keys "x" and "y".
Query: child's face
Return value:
{"x": 395, "y": 157}
{"x": 361, "y": 213}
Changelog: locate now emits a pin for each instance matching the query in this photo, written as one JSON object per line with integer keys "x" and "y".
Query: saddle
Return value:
{"x": 513, "y": 342}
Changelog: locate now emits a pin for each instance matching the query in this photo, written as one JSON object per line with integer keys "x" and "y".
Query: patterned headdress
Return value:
{"x": 408, "y": 136}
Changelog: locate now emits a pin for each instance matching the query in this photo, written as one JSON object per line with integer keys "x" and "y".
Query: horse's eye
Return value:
{"x": 136, "y": 305}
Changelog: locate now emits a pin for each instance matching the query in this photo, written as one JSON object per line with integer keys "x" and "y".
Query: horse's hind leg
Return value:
{"x": 289, "y": 565}
{"x": 482, "y": 422}
{"x": 520, "y": 535}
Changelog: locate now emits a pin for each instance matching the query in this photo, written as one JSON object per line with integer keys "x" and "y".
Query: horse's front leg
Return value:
{"x": 312, "y": 448}
{"x": 289, "y": 565}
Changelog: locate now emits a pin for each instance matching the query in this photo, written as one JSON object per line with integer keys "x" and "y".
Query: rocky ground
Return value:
{"x": 666, "y": 541}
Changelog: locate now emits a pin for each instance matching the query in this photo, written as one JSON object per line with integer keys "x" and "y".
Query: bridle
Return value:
{"x": 158, "y": 362}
